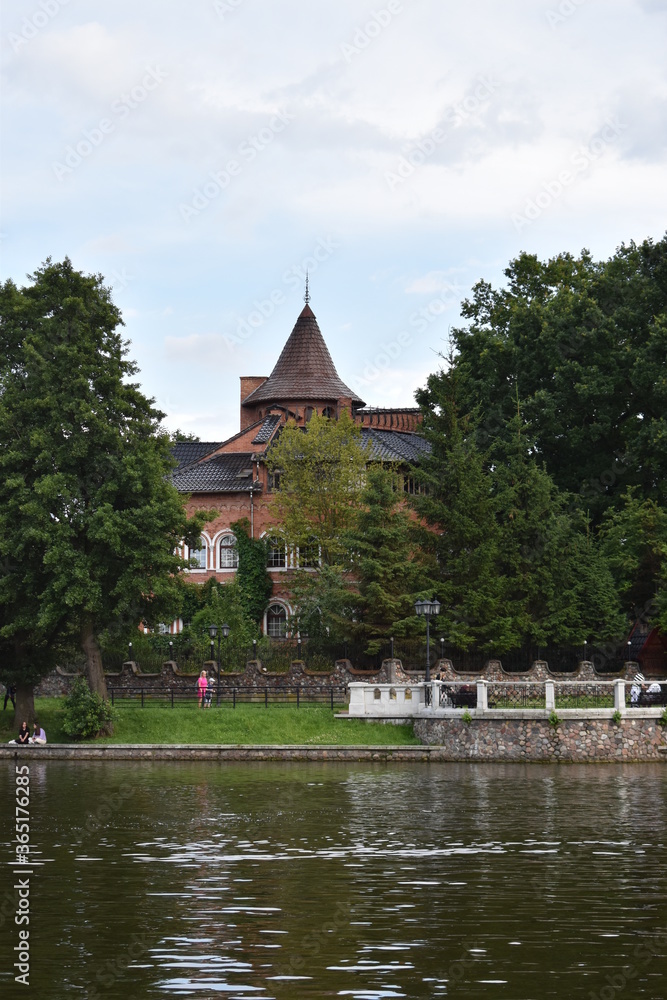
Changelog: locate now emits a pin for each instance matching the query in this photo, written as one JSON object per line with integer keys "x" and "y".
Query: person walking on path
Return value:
{"x": 202, "y": 684}
{"x": 10, "y": 694}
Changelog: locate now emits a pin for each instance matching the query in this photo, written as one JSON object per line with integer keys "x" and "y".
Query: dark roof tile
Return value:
{"x": 226, "y": 473}
{"x": 266, "y": 430}
{"x": 186, "y": 452}
{"x": 304, "y": 369}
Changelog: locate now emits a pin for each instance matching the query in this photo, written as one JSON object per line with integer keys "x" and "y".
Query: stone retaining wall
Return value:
{"x": 255, "y": 675}
{"x": 525, "y": 739}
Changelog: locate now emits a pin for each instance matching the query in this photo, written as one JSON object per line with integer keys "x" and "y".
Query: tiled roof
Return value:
{"x": 186, "y": 452}
{"x": 266, "y": 430}
{"x": 304, "y": 369}
{"x": 393, "y": 446}
{"x": 227, "y": 473}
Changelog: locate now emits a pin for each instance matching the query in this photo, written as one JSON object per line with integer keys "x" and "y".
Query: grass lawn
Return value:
{"x": 245, "y": 724}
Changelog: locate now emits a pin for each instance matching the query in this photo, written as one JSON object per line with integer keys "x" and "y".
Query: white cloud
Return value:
{"x": 549, "y": 89}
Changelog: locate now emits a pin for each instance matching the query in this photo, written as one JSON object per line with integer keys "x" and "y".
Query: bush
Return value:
{"x": 87, "y": 714}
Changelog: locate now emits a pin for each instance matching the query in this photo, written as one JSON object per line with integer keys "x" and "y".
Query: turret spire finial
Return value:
{"x": 306, "y": 297}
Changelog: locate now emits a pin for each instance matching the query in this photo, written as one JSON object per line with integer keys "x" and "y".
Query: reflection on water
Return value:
{"x": 336, "y": 880}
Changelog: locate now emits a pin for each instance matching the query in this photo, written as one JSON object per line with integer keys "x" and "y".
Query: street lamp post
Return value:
{"x": 427, "y": 610}
{"x": 213, "y": 632}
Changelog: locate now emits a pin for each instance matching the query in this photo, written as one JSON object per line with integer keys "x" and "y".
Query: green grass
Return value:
{"x": 246, "y": 724}
{"x": 48, "y": 711}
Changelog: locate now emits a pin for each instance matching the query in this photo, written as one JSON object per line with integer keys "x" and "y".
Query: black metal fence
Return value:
{"x": 597, "y": 694}
{"x": 505, "y": 694}
{"x": 295, "y": 695}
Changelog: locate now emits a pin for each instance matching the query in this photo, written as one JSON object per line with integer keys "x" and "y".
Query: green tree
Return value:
{"x": 86, "y": 509}
{"x": 321, "y": 477}
{"x": 462, "y": 531}
{"x": 584, "y": 344}
{"x": 557, "y": 586}
{"x": 388, "y": 568}
{"x": 224, "y": 604}
{"x": 517, "y": 563}
{"x": 634, "y": 541}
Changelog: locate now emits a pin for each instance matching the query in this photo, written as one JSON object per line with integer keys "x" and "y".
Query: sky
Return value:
{"x": 202, "y": 156}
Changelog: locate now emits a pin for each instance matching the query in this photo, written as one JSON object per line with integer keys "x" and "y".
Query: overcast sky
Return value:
{"x": 201, "y": 155}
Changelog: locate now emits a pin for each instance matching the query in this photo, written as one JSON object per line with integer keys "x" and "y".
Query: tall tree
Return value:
{"x": 516, "y": 561}
{"x": 458, "y": 508}
{"x": 634, "y": 541}
{"x": 86, "y": 509}
{"x": 321, "y": 478}
{"x": 584, "y": 344}
{"x": 387, "y": 566}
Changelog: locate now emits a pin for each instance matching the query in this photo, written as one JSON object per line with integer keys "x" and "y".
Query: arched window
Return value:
{"x": 307, "y": 414}
{"x": 229, "y": 554}
{"x": 276, "y": 553}
{"x": 328, "y": 412}
{"x": 276, "y": 621}
{"x": 198, "y": 555}
{"x": 309, "y": 554}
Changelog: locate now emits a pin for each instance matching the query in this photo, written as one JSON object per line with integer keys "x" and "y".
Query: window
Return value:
{"x": 276, "y": 553}
{"x": 198, "y": 556}
{"x": 276, "y": 621}
{"x": 274, "y": 480}
{"x": 410, "y": 486}
{"x": 328, "y": 412}
{"x": 307, "y": 415}
{"x": 309, "y": 554}
{"x": 229, "y": 555}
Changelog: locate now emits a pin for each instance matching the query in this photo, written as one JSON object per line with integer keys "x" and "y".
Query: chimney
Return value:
{"x": 248, "y": 384}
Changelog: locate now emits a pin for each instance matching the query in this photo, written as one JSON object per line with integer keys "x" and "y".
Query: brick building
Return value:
{"x": 231, "y": 476}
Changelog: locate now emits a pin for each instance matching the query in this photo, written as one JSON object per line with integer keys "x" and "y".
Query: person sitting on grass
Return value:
{"x": 24, "y": 734}
{"x": 38, "y": 734}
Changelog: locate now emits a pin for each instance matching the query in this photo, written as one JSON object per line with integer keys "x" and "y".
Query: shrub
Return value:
{"x": 554, "y": 720}
{"x": 617, "y": 717}
{"x": 466, "y": 718}
{"x": 86, "y": 714}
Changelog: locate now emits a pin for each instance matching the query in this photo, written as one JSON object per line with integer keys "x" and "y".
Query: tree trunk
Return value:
{"x": 25, "y": 704}
{"x": 90, "y": 646}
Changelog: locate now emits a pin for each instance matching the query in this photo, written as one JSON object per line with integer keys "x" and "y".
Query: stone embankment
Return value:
{"x": 526, "y": 739}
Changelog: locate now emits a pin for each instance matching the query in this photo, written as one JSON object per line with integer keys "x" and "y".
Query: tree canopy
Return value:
{"x": 548, "y": 471}
{"x": 89, "y": 522}
{"x": 583, "y": 344}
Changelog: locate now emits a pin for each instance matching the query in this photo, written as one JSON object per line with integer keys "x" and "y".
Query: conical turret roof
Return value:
{"x": 304, "y": 369}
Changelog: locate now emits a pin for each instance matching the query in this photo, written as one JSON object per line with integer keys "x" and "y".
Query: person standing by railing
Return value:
{"x": 202, "y": 684}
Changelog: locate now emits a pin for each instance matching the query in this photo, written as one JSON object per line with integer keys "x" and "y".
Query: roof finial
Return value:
{"x": 306, "y": 297}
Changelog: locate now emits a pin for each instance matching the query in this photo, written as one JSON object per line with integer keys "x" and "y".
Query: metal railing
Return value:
{"x": 294, "y": 695}
{"x": 516, "y": 694}
{"x": 595, "y": 694}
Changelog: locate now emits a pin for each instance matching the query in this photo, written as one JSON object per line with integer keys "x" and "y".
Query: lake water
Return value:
{"x": 341, "y": 880}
